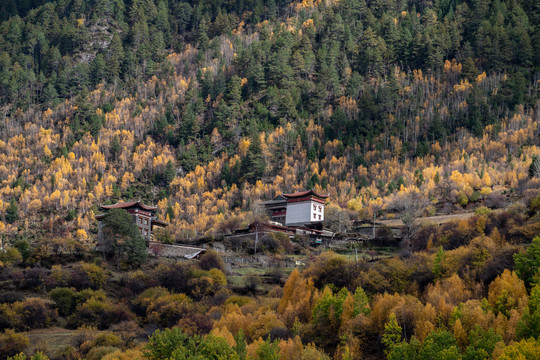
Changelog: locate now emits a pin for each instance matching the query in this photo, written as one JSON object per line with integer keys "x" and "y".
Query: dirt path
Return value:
{"x": 435, "y": 220}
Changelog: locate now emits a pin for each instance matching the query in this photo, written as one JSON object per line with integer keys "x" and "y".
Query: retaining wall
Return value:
{"x": 174, "y": 251}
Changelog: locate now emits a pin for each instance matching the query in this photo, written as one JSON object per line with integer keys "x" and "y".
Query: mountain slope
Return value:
{"x": 206, "y": 108}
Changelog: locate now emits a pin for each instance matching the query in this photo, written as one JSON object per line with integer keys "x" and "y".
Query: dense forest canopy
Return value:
{"x": 206, "y": 106}
{"x": 11, "y": 8}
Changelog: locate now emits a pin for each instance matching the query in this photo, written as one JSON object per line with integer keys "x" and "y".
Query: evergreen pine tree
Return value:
{"x": 392, "y": 333}
{"x": 115, "y": 57}
{"x": 12, "y": 212}
{"x": 253, "y": 165}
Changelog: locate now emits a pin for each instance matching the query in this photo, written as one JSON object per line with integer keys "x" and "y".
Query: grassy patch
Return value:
{"x": 244, "y": 271}
{"x": 241, "y": 276}
{"x": 51, "y": 339}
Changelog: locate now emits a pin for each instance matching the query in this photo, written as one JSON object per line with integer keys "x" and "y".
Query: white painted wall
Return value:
{"x": 321, "y": 211}
{"x": 316, "y": 210}
{"x": 298, "y": 213}
{"x": 303, "y": 213}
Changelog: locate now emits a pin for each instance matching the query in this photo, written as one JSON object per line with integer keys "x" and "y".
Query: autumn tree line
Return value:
{"x": 470, "y": 292}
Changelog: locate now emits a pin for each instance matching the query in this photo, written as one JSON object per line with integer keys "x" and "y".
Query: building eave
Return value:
{"x": 159, "y": 223}
{"x": 310, "y": 192}
{"x": 129, "y": 204}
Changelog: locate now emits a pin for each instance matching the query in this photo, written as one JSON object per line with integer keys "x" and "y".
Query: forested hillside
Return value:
{"x": 206, "y": 108}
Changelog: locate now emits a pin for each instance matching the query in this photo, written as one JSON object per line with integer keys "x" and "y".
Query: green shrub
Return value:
{"x": 463, "y": 200}
{"x": 71, "y": 215}
{"x": 163, "y": 236}
{"x": 475, "y": 196}
{"x": 99, "y": 352}
{"x": 167, "y": 310}
{"x": 67, "y": 352}
{"x": 81, "y": 274}
{"x": 95, "y": 273}
{"x": 24, "y": 248}
{"x": 239, "y": 300}
{"x": 35, "y": 313}
{"x": 144, "y": 299}
{"x": 528, "y": 263}
{"x": 106, "y": 338}
{"x": 86, "y": 294}
{"x": 100, "y": 313}
{"x": 38, "y": 356}
{"x": 534, "y": 205}
{"x": 203, "y": 286}
{"x": 12, "y": 343}
{"x": 9, "y": 318}
{"x": 65, "y": 299}
{"x": 172, "y": 343}
{"x": 218, "y": 276}
{"x": 10, "y": 256}
{"x": 211, "y": 259}
{"x": 138, "y": 281}
{"x": 482, "y": 210}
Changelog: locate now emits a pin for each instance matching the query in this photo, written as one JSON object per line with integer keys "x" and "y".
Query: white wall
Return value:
{"x": 302, "y": 213}
{"x": 321, "y": 212}
{"x": 298, "y": 213}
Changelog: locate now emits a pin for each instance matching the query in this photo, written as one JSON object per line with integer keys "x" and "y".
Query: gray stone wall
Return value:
{"x": 173, "y": 251}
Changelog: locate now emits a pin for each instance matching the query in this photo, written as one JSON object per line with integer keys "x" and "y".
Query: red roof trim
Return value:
{"x": 304, "y": 199}
{"x": 129, "y": 204}
{"x": 305, "y": 193}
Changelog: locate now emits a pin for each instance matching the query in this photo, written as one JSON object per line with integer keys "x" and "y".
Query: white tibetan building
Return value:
{"x": 298, "y": 209}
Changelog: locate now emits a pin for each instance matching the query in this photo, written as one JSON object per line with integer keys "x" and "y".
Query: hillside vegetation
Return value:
{"x": 397, "y": 109}
{"x": 205, "y": 109}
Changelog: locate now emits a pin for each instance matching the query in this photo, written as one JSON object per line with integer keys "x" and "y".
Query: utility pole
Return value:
{"x": 256, "y": 237}
{"x": 374, "y": 217}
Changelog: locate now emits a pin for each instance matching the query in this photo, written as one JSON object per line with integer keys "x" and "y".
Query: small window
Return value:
{"x": 319, "y": 217}
{"x": 145, "y": 221}
{"x": 320, "y": 208}
{"x": 314, "y": 216}
{"x": 138, "y": 219}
